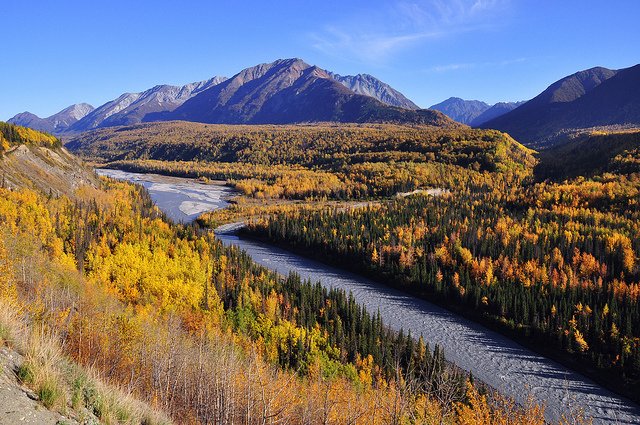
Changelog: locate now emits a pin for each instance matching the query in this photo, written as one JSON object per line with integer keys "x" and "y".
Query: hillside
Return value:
{"x": 595, "y": 97}
{"x": 591, "y": 153}
{"x": 19, "y": 403}
{"x": 40, "y": 382}
{"x": 290, "y": 91}
{"x": 29, "y": 159}
{"x": 323, "y": 145}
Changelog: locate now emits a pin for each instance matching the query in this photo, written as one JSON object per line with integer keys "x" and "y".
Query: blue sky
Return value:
{"x": 64, "y": 52}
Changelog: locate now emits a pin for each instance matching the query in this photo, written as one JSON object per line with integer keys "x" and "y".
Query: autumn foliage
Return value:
{"x": 200, "y": 332}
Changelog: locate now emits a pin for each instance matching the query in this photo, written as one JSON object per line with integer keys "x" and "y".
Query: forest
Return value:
{"x": 200, "y": 333}
{"x": 549, "y": 261}
{"x": 314, "y": 145}
{"x": 13, "y": 135}
{"x": 311, "y": 161}
{"x": 589, "y": 153}
{"x": 555, "y": 263}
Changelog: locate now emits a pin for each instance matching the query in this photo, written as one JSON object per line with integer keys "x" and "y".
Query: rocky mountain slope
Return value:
{"x": 131, "y": 108}
{"x": 19, "y": 404}
{"x": 33, "y": 160}
{"x": 369, "y": 85}
{"x": 290, "y": 91}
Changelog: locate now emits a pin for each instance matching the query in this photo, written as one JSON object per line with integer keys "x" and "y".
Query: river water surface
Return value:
{"x": 180, "y": 199}
{"x": 491, "y": 357}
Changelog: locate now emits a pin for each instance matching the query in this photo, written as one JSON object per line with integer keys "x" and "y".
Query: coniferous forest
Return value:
{"x": 553, "y": 262}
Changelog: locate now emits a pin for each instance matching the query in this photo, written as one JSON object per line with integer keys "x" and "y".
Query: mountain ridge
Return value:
{"x": 159, "y": 101}
{"x": 590, "y": 98}
{"x": 496, "y": 110}
{"x": 461, "y": 110}
{"x": 369, "y": 85}
{"x": 289, "y": 91}
{"x": 473, "y": 112}
{"x": 131, "y": 108}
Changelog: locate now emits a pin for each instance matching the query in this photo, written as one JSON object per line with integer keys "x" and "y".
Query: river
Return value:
{"x": 500, "y": 362}
{"x": 182, "y": 200}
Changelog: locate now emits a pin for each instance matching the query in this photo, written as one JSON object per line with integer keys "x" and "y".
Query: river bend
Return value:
{"x": 500, "y": 362}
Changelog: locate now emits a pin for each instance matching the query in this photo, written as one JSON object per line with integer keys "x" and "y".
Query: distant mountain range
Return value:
{"x": 292, "y": 91}
{"x": 285, "y": 91}
{"x": 131, "y": 108}
{"x": 590, "y": 98}
{"x": 473, "y": 112}
{"x": 56, "y": 123}
{"x": 495, "y": 111}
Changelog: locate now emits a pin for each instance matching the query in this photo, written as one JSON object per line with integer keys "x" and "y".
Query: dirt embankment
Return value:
{"x": 53, "y": 171}
{"x": 18, "y": 404}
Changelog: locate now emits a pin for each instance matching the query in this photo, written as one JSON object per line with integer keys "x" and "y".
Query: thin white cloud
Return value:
{"x": 366, "y": 46}
{"x": 377, "y": 34}
{"x": 452, "y": 67}
{"x": 473, "y": 65}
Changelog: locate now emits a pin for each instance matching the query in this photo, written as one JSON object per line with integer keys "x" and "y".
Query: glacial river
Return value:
{"x": 491, "y": 357}
{"x": 182, "y": 200}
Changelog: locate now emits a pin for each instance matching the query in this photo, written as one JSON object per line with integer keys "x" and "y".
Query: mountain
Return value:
{"x": 495, "y": 111}
{"x": 461, "y": 110}
{"x": 56, "y": 123}
{"x": 285, "y": 91}
{"x": 590, "y": 98}
{"x": 131, "y": 108}
{"x": 68, "y": 116}
{"x": 27, "y": 119}
{"x": 572, "y": 87}
{"x": 290, "y": 91}
{"x": 368, "y": 85}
